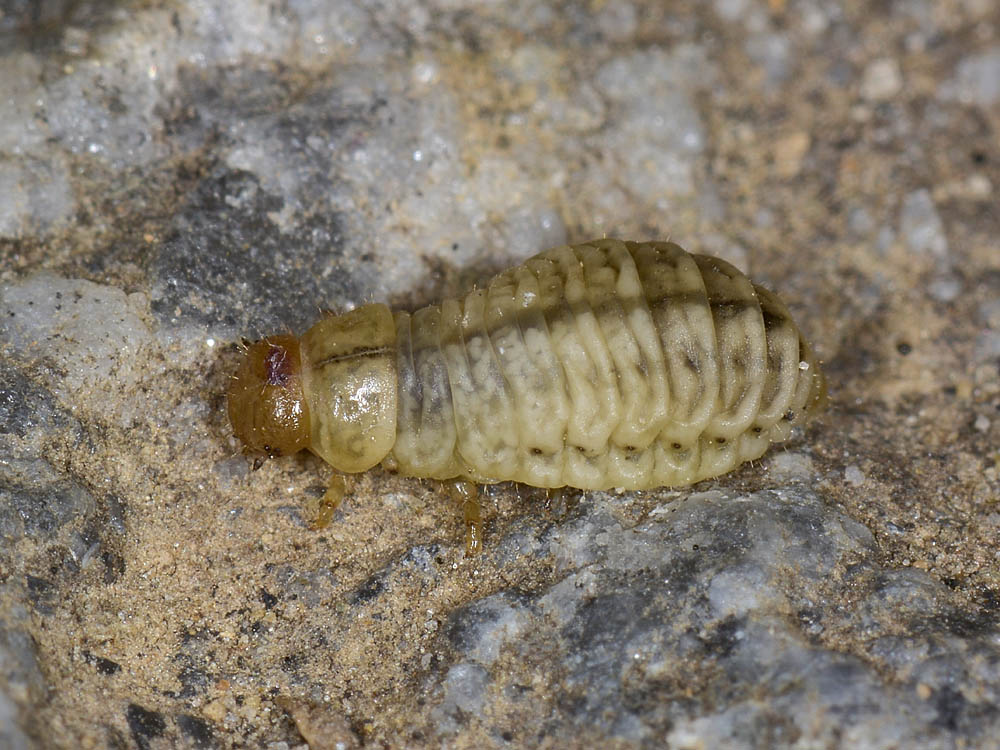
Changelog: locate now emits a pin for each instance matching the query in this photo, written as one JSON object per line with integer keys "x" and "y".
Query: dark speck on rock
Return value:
{"x": 145, "y": 725}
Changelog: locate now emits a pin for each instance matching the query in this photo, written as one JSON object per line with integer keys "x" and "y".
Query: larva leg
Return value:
{"x": 329, "y": 503}
{"x": 467, "y": 493}
{"x": 560, "y": 501}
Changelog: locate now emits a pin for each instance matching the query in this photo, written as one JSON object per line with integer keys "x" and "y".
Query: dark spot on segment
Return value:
{"x": 789, "y": 416}
{"x": 677, "y": 446}
{"x": 732, "y": 308}
{"x": 903, "y": 348}
{"x": 536, "y": 451}
{"x": 757, "y": 430}
{"x": 772, "y": 318}
{"x": 720, "y": 440}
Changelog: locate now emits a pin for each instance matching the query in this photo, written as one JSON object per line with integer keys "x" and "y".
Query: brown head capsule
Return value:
{"x": 267, "y": 407}
{"x": 600, "y": 365}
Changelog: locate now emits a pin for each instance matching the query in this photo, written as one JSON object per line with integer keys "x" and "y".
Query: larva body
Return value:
{"x": 599, "y": 365}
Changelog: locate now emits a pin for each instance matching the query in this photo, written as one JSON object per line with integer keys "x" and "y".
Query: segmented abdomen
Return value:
{"x": 606, "y": 364}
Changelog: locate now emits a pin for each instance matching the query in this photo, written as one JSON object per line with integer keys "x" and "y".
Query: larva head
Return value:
{"x": 267, "y": 406}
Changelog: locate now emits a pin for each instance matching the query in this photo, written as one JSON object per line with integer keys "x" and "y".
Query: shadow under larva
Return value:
{"x": 605, "y": 364}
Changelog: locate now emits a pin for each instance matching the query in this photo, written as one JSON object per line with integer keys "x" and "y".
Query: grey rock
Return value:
{"x": 464, "y": 688}
{"x": 920, "y": 225}
{"x": 37, "y": 194}
{"x": 978, "y": 78}
{"x": 774, "y": 53}
{"x": 83, "y": 336}
{"x": 881, "y": 80}
{"x": 11, "y": 735}
{"x": 21, "y": 680}
{"x": 193, "y": 284}
{"x": 703, "y": 626}
{"x": 36, "y": 500}
{"x": 27, "y": 410}
{"x": 657, "y": 130}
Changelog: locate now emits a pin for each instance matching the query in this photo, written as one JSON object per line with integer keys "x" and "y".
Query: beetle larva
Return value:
{"x": 600, "y": 365}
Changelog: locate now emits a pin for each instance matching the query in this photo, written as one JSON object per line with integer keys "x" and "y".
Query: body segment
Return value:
{"x": 602, "y": 365}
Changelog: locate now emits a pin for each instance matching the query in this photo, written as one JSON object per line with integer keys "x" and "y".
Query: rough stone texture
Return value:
{"x": 174, "y": 176}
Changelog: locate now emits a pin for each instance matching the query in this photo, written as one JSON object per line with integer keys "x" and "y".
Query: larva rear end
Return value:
{"x": 601, "y": 365}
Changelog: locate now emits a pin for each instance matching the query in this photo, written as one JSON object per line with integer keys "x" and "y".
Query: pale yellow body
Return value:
{"x": 605, "y": 364}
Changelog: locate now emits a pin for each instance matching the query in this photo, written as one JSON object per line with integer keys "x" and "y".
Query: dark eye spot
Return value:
{"x": 279, "y": 366}
{"x": 676, "y": 446}
{"x": 720, "y": 440}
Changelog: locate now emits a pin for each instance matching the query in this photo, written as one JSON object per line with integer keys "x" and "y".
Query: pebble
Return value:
{"x": 920, "y": 225}
{"x": 789, "y": 152}
{"x": 853, "y": 475}
{"x": 979, "y": 78}
{"x": 881, "y": 80}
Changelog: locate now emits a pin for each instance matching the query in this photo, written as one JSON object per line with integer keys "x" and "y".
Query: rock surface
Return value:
{"x": 174, "y": 176}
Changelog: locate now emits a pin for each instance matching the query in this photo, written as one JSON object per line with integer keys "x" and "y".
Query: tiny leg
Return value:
{"x": 468, "y": 494}
{"x": 560, "y": 501}
{"x": 328, "y": 504}
{"x": 554, "y": 499}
